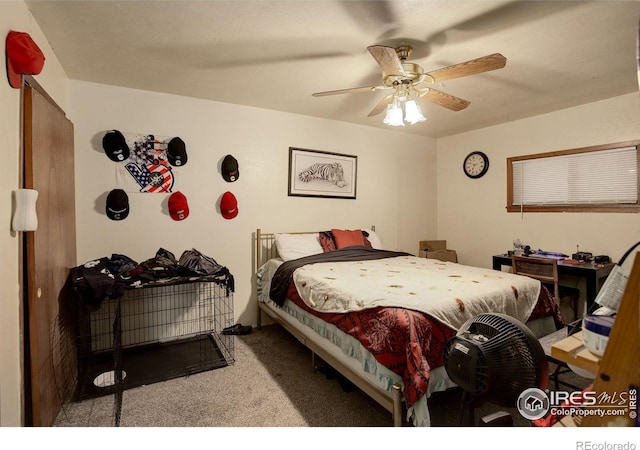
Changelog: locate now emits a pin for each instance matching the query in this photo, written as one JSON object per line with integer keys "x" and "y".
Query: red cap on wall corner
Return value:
{"x": 23, "y": 57}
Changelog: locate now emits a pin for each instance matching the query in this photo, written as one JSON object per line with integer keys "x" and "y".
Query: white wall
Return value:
{"x": 14, "y": 16}
{"x": 396, "y": 180}
{"x": 472, "y": 215}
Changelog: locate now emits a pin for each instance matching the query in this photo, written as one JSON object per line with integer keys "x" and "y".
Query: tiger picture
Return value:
{"x": 332, "y": 172}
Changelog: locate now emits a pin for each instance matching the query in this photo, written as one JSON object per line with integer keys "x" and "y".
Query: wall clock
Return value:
{"x": 475, "y": 164}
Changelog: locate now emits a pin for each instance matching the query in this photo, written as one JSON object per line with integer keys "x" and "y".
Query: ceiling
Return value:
{"x": 275, "y": 54}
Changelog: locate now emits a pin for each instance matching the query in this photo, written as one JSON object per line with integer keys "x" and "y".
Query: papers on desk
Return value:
{"x": 613, "y": 288}
{"x": 552, "y": 255}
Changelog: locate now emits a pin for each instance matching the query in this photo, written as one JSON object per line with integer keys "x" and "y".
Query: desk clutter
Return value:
{"x": 579, "y": 257}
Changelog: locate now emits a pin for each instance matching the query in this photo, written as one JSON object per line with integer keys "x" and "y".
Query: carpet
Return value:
{"x": 271, "y": 384}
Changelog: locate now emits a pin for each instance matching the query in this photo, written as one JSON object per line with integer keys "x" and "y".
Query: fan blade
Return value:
{"x": 350, "y": 90}
{"x": 480, "y": 65}
{"x": 440, "y": 98}
{"x": 388, "y": 59}
{"x": 381, "y": 106}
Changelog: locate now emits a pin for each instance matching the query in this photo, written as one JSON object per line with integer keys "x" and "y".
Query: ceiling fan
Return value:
{"x": 407, "y": 79}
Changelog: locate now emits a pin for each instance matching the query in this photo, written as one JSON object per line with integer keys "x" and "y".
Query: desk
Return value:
{"x": 593, "y": 274}
{"x": 571, "y": 350}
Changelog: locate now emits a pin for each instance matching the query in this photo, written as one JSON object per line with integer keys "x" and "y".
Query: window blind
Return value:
{"x": 603, "y": 177}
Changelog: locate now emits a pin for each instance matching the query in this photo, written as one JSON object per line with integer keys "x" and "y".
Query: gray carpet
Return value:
{"x": 271, "y": 384}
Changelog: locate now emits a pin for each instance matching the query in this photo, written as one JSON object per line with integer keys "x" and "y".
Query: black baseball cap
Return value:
{"x": 117, "y": 205}
{"x": 176, "y": 152}
{"x": 115, "y": 146}
{"x": 230, "y": 171}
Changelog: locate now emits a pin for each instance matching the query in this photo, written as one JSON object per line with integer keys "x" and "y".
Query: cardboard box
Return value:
{"x": 437, "y": 250}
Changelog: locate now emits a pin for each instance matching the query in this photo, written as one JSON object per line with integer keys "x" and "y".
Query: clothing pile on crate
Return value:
{"x": 106, "y": 277}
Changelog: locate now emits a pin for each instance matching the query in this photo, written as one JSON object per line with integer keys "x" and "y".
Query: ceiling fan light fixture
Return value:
{"x": 412, "y": 113}
{"x": 394, "y": 115}
{"x": 404, "y": 76}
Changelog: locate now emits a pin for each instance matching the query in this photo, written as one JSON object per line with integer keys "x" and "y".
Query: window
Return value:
{"x": 593, "y": 179}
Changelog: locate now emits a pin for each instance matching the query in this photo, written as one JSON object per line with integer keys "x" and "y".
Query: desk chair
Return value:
{"x": 546, "y": 270}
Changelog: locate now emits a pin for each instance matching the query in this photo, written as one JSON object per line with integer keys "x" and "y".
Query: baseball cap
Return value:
{"x": 178, "y": 206}
{"x": 228, "y": 205}
{"x": 115, "y": 146}
{"x": 117, "y": 205}
{"x": 23, "y": 57}
{"x": 176, "y": 152}
{"x": 230, "y": 170}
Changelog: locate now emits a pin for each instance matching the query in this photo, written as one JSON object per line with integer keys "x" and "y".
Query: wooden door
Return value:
{"x": 49, "y": 253}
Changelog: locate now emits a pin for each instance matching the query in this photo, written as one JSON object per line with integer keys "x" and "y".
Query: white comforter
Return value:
{"x": 449, "y": 292}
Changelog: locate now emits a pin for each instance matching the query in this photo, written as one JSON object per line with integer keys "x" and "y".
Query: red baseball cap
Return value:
{"x": 178, "y": 206}
{"x": 228, "y": 205}
{"x": 24, "y": 57}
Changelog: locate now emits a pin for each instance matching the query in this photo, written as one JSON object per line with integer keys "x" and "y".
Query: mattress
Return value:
{"x": 346, "y": 348}
{"x": 429, "y": 374}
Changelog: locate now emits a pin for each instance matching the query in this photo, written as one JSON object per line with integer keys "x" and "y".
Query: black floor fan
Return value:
{"x": 494, "y": 358}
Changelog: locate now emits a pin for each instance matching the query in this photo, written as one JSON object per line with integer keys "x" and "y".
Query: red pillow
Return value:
{"x": 347, "y": 238}
{"x": 326, "y": 241}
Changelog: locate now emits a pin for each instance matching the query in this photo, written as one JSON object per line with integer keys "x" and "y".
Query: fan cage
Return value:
{"x": 466, "y": 365}
{"x": 510, "y": 361}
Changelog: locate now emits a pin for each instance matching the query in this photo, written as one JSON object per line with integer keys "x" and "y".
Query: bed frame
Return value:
{"x": 391, "y": 401}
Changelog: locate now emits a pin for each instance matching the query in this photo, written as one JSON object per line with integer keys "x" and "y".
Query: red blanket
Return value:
{"x": 408, "y": 342}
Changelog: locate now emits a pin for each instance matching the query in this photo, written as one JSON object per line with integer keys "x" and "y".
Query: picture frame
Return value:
{"x": 315, "y": 173}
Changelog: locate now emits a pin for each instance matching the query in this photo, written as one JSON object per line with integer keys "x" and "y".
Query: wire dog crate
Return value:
{"x": 152, "y": 334}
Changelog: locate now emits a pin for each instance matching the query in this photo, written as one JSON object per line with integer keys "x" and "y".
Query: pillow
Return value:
{"x": 326, "y": 241}
{"x": 373, "y": 238}
{"x": 328, "y": 244}
{"x": 293, "y": 246}
{"x": 347, "y": 238}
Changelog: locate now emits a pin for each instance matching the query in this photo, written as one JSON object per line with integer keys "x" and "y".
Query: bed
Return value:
{"x": 378, "y": 316}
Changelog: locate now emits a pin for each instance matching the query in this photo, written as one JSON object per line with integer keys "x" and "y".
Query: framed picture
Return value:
{"x": 314, "y": 173}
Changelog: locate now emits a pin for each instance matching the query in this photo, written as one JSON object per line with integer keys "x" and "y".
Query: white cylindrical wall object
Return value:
{"x": 25, "y": 217}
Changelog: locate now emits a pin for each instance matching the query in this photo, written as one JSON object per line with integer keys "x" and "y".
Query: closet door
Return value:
{"x": 49, "y": 253}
